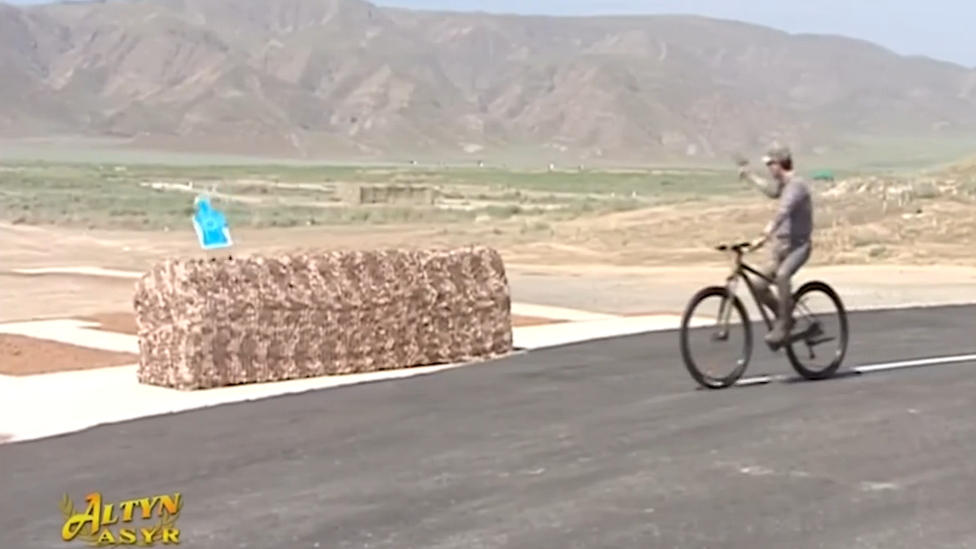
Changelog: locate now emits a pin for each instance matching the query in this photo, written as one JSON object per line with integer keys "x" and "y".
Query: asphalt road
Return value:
{"x": 596, "y": 445}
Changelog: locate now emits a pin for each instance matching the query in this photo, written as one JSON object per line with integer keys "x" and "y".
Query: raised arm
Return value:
{"x": 764, "y": 186}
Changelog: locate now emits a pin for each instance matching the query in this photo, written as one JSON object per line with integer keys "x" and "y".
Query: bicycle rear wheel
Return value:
{"x": 821, "y": 325}
{"x": 732, "y": 315}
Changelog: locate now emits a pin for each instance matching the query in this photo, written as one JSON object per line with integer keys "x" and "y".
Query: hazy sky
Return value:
{"x": 943, "y": 29}
{"x": 938, "y": 28}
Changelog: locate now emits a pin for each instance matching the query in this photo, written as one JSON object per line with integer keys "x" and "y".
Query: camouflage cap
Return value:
{"x": 777, "y": 154}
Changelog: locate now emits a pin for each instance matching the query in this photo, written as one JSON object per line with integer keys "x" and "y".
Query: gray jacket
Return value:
{"x": 793, "y": 223}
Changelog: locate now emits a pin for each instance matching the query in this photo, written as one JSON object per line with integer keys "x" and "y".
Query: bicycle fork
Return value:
{"x": 725, "y": 309}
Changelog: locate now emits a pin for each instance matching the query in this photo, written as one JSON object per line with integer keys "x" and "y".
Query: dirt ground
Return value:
{"x": 22, "y": 356}
{"x": 653, "y": 270}
{"x": 632, "y": 263}
{"x": 119, "y": 322}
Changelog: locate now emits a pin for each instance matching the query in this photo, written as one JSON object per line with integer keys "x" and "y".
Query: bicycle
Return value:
{"x": 810, "y": 336}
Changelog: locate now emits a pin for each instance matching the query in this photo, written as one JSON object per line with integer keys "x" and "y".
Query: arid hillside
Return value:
{"x": 312, "y": 78}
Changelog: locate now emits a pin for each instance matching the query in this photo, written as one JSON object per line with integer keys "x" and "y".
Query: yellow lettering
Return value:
{"x": 149, "y": 534}
{"x": 108, "y": 515}
{"x": 105, "y": 537}
{"x": 171, "y": 536}
{"x": 127, "y": 536}
{"x": 92, "y": 517}
{"x": 147, "y": 505}
{"x": 127, "y": 509}
{"x": 170, "y": 504}
{"x": 99, "y": 515}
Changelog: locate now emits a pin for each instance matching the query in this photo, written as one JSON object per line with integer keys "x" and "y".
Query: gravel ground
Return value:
{"x": 670, "y": 290}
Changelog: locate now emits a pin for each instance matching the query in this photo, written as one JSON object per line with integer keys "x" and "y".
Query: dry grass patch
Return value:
{"x": 850, "y": 229}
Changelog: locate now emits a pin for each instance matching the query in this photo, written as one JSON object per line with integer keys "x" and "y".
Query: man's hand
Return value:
{"x": 744, "y": 172}
{"x": 758, "y": 242}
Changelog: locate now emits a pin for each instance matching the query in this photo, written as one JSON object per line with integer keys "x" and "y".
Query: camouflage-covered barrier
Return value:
{"x": 207, "y": 323}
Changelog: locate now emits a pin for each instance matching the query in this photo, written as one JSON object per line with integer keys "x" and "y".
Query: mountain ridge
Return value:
{"x": 312, "y": 78}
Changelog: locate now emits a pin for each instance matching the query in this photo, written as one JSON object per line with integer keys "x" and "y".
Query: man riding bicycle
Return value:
{"x": 790, "y": 231}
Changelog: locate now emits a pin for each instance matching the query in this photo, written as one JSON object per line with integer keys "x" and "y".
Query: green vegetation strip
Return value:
{"x": 151, "y": 197}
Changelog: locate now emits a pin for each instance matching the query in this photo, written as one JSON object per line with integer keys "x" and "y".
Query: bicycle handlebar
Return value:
{"x": 738, "y": 248}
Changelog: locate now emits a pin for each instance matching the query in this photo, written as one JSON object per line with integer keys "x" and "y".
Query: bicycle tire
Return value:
{"x": 701, "y": 378}
{"x": 831, "y": 369}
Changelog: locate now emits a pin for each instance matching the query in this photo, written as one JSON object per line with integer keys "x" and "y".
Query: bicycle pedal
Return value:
{"x": 788, "y": 340}
{"x": 810, "y": 331}
{"x": 793, "y": 338}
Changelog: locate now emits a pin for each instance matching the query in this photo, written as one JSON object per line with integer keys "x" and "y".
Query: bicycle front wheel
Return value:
{"x": 820, "y": 321}
{"x": 726, "y": 330}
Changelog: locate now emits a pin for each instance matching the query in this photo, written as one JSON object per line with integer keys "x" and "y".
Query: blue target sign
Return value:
{"x": 211, "y": 226}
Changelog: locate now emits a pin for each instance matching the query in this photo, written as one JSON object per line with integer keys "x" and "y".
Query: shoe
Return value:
{"x": 776, "y": 336}
{"x": 779, "y": 333}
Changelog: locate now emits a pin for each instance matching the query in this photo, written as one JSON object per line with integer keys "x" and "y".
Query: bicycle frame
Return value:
{"x": 740, "y": 271}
